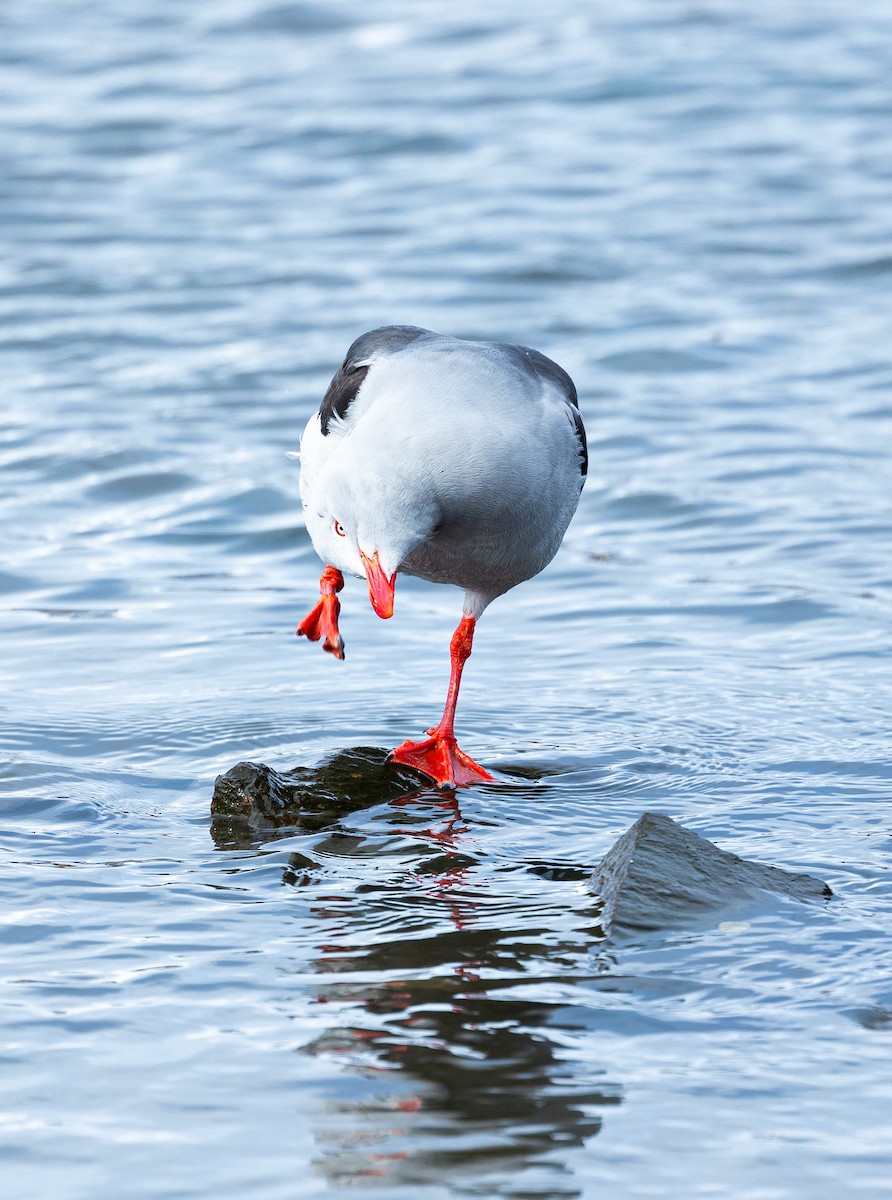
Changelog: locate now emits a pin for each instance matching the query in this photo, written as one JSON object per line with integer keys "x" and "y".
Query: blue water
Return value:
{"x": 689, "y": 206}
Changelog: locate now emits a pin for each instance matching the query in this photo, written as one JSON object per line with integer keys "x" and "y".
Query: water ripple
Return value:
{"x": 202, "y": 205}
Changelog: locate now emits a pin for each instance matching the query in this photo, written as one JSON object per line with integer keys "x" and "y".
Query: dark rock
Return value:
{"x": 302, "y": 862}
{"x": 872, "y": 1017}
{"x": 558, "y": 872}
{"x": 445, "y": 864}
{"x": 659, "y": 875}
{"x": 252, "y": 801}
{"x": 300, "y": 870}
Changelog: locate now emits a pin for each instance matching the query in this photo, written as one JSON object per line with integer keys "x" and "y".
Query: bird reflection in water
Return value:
{"x": 437, "y": 972}
{"x": 453, "y": 1065}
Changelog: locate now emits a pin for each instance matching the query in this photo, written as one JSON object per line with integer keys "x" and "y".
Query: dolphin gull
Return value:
{"x": 457, "y": 461}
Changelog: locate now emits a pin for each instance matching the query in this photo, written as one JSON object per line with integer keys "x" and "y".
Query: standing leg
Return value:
{"x": 322, "y": 621}
{"x": 438, "y": 755}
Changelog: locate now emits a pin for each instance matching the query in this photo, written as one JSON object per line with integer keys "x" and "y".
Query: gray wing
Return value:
{"x": 546, "y": 368}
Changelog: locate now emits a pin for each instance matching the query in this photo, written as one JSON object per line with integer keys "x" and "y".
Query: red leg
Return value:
{"x": 438, "y": 755}
{"x": 322, "y": 621}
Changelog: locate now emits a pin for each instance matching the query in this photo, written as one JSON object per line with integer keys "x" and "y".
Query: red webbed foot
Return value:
{"x": 322, "y": 620}
{"x": 439, "y": 757}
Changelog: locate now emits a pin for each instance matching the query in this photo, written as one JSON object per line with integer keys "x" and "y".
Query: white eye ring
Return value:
{"x": 339, "y": 529}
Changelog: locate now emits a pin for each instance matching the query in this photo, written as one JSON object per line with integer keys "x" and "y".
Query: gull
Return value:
{"x": 457, "y": 461}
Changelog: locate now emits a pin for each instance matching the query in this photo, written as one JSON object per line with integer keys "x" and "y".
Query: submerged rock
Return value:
{"x": 659, "y": 875}
{"x": 252, "y": 800}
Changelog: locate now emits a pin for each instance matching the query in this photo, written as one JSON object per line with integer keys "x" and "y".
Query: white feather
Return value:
{"x": 455, "y": 461}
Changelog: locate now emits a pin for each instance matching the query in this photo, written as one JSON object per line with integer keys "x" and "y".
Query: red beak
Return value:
{"x": 380, "y": 587}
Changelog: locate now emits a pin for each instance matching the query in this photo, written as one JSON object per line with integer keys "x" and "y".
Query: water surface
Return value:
{"x": 201, "y": 205}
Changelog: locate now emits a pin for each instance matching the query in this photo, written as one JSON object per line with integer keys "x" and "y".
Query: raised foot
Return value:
{"x": 322, "y": 622}
{"x": 440, "y": 758}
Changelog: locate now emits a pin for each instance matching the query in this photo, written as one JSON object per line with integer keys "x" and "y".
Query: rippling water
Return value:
{"x": 688, "y": 206}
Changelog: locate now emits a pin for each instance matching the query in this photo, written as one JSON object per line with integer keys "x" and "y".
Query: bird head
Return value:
{"x": 370, "y": 532}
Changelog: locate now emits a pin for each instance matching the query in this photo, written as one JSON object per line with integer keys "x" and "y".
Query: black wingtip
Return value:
{"x": 349, "y": 377}
{"x": 341, "y": 393}
{"x": 583, "y": 442}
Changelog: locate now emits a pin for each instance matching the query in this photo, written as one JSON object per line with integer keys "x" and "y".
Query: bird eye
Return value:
{"x": 339, "y": 529}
